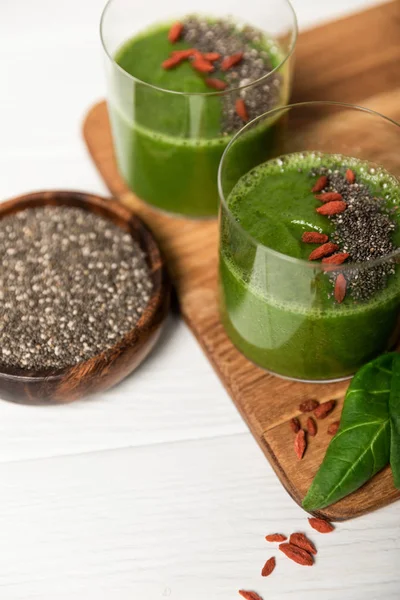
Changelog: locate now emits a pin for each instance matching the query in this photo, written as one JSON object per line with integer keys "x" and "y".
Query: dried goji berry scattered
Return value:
{"x": 294, "y": 424}
{"x": 201, "y": 65}
{"x": 182, "y": 54}
{"x": 313, "y": 237}
{"x": 249, "y": 595}
{"x": 302, "y": 557}
{"x": 311, "y": 427}
{"x": 241, "y": 109}
{"x": 336, "y": 259}
{"x": 268, "y": 567}
{"x": 308, "y": 405}
{"x": 321, "y": 525}
{"x": 329, "y": 197}
{"x": 231, "y": 61}
{"x": 340, "y": 288}
{"x": 171, "y": 62}
{"x": 320, "y": 184}
{"x": 217, "y": 84}
{"x": 300, "y": 444}
{"x": 332, "y": 208}
{"x": 175, "y": 32}
{"x": 302, "y": 541}
{"x": 211, "y": 56}
{"x": 275, "y": 537}
{"x": 324, "y": 409}
{"x": 350, "y": 176}
{"x": 333, "y": 428}
{"x": 324, "y": 250}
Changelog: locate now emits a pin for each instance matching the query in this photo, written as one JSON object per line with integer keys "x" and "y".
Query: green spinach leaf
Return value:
{"x": 361, "y": 446}
{"x": 394, "y": 412}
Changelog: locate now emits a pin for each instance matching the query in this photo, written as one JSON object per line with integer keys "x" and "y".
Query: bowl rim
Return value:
{"x": 118, "y": 214}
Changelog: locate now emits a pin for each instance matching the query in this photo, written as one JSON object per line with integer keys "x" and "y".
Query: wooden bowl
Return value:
{"x": 108, "y": 368}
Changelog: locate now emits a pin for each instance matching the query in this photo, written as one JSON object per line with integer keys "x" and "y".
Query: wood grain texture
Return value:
{"x": 359, "y": 56}
{"x": 352, "y": 59}
{"x": 108, "y": 368}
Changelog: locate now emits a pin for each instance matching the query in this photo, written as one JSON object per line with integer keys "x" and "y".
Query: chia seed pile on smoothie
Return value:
{"x": 363, "y": 230}
{"x": 241, "y": 49}
{"x": 72, "y": 284}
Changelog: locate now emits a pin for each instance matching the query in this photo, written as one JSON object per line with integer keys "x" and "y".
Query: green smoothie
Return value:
{"x": 169, "y": 126}
{"x": 281, "y": 312}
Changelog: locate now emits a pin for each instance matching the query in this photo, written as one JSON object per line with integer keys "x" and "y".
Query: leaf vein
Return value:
{"x": 356, "y": 426}
{"x": 387, "y": 371}
{"x": 352, "y": 467}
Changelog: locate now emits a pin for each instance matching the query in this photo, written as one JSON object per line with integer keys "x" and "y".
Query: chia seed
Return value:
{"x": 364, "y": 230}
{"x": 225, "y": 37}
{"x": 72, "y": 284}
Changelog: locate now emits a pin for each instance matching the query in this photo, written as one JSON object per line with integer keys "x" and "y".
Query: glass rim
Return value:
{"x": 348, "y": 266}
{"x": 294, "y": 36}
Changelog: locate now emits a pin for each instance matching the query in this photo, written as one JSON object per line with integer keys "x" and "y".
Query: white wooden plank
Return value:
{"x": 184, "y": 520}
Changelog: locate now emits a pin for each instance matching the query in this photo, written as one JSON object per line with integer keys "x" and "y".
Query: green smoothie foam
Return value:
{"x": 169, "y": 145}
{"x": 281, "y": 313}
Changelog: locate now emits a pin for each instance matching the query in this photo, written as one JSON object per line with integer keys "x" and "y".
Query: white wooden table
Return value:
{"x": 154, "y": 489}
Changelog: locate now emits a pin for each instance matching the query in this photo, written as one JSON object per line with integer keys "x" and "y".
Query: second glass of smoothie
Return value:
{"x": 182, "y": 81}
{"x": 310, "y": 242}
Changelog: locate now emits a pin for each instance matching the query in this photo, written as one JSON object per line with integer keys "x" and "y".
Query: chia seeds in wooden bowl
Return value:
{"x": 82, "y": 294}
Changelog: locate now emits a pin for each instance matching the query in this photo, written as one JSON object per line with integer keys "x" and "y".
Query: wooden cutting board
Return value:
{"x": 354, "y": 60}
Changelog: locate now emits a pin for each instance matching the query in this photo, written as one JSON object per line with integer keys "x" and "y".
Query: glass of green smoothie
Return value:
{"x": 309, "y": 240}
{"x": 182, "y": 79}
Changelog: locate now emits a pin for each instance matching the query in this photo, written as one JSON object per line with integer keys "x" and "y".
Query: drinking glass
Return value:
{"x": 275, "y": 308}
{"x": 165, "y": 142}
